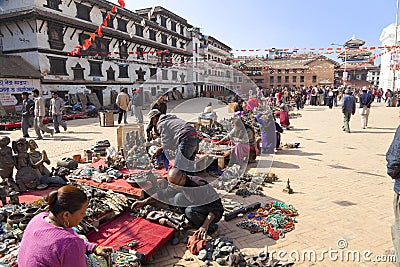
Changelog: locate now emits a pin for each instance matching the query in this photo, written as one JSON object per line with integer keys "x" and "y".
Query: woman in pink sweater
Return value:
{"x": 49, "y": 240}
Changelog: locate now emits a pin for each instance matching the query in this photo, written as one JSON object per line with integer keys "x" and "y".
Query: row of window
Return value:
{"x": 83, "y": 12}
{"x": 286, "y": 79}
{"x": 58, "y": 67}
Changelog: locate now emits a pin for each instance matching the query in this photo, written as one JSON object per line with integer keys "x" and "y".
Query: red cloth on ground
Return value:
{"x": 30, "y": 197}
{"x": 120, "y": 185}
{"x": 126, "y": 228}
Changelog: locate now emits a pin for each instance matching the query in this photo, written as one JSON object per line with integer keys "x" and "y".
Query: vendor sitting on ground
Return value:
{"x": 283, "y": 115}
{"x": 208, "y": 113}
{"x": 176, "y": 134}
{"x": 49, "y": 239}
{"x": 195, "y": 197}
{"x": 243, "y": 137}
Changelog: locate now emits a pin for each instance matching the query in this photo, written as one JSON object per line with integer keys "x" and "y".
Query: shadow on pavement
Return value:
{"x": 371, "y": 174}
{"x": 382, "y": 128}
{"x": 340, "y": 167}
{"x": 284, "y": 165}
{"x": 371, "y": 132}
{"x": 297, "y": 152}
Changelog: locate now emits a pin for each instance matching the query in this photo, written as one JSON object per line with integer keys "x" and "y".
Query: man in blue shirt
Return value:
{"x": 348, "y": 109}
{"x": 393, "y": 170}
{"x": 366, "y": 98}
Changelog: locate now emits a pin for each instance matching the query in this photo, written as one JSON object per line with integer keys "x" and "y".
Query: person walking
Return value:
{"x": 28, "y": 106}
{"x": 366, "y": 100}
{"x": 393, "y": 170}
{"x": 330, "y": 98}
{"x": 348, "y": 109}
{"x": 389, "y": 98}
{"x": 123, "y": 105}
{"x": 56, "y": 112}
{"x": 137, "y": 104}
{"x": 40, "y": 112}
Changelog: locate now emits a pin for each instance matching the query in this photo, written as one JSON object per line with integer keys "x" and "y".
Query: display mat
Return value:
{"x": 126, "y": 228}
{"x": 120, "y": 185}
{"x": 30, "y": 197}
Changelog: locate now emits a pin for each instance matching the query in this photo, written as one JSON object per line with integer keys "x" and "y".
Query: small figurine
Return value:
{"x": 288, "y": 189}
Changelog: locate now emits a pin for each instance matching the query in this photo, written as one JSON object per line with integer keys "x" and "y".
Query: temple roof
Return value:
{"x": 354, "y": 42}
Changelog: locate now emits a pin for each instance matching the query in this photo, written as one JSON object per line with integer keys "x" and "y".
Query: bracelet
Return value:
{"x": 95, "y": 248}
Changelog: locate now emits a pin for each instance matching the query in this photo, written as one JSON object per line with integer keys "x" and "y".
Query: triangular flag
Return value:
{"x": 105, "y": 23}
{"x": 87, "y": 44}
{"x": 108, "y": 16}
{"x": 92, "y": 36}
{"x": 114, "y": 9}
{"x": 99, "y": 31}
{"x": 121, "y": 3}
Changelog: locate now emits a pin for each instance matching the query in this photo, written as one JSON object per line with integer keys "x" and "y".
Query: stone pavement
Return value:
{"x": 342, "y": 190}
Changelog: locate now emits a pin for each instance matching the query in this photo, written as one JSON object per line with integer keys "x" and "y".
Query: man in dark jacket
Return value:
{"x": 28, "y": 106}
{"x": 160, "y": 105}
{"x": 137, "y": 104}
{"x": 393, "y": 170}
{"x": 199, "y": 201}
{"x": 348, "y": 109}
{"x": 366, "y": 99}
{"x": 176, "y": 134}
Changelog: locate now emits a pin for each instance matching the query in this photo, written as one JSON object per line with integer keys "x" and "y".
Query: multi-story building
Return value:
{"x": 373, "y": 77}
{"x": 152, "y": 45}
{"x": 290, "y": 72}
{"x": 390, "y": 60}
{"x": 350, "y": 71}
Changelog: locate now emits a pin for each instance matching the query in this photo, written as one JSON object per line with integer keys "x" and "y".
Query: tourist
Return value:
{"x": 366, "y": 100}
{"x": 40, "y": 112}
{"x": 49, "y": 239}
{"x": 298, "y": 100}
{"x": 137, "y": 104}
{"x": 56, "y": 111}
{"x": 330, "y": 98}
{"x": 242, "y": 136}
{"x": 348, "y": 109}
{"x": 393, "y": 170}
{"x": 313, "y": 100}
{"x": 389, "y": 98}
{"x": 122, "y": 102}
{"x": 28, "y": 106}
{"x": 160, "y": 105}
{"x": 198, "y": 200}
{"x": 176, "y": 134}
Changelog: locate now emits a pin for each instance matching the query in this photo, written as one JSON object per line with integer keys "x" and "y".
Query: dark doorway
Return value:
{"x": 98, "y": 90}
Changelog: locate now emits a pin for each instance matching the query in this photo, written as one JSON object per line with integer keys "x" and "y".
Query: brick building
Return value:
{"x": 290, "y": 72}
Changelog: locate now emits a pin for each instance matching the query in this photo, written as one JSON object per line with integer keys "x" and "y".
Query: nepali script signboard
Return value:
{"x": 8, "y": 87}
{"x": 395, "y": 61}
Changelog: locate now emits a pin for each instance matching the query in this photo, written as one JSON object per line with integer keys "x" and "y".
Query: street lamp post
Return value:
{"x": 345, "y": 61}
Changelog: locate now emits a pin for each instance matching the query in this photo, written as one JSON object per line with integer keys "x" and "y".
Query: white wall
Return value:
{"x": 386, "y": 75}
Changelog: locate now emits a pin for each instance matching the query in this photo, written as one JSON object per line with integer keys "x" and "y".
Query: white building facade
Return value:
{"x": 388, "y": 78}
{"x": 150, "y": 47}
